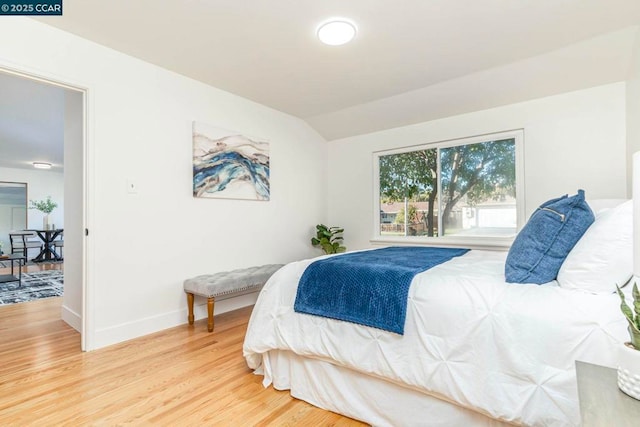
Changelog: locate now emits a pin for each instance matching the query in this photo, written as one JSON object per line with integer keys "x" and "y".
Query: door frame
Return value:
{"x": 87, "y": 332}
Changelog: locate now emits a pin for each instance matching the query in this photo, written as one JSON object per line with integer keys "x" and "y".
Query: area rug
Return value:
{"x": 35, "y": 285}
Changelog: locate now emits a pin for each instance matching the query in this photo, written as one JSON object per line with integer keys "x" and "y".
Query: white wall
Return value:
{"x": 41, "y": 183}
{"x": 633, "y": 141}
{"x": 633, "y": 108}
{"x": 142, "y": 246}
{"x": 73, "y": 250}
{"x": 574, "y": 140}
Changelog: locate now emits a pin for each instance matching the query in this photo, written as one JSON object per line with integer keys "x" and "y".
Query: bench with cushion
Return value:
{"x": 227, "y": 283}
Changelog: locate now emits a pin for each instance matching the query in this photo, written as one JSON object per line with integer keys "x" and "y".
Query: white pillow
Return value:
{"x": 603, "y": 257}
{"x": 599, "y": 206}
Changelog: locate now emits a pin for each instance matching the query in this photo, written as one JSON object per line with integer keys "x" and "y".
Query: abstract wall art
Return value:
{"x": 229, "y": 165}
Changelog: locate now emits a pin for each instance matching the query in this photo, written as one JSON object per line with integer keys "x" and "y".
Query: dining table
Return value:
{"x": 48, "y": 252}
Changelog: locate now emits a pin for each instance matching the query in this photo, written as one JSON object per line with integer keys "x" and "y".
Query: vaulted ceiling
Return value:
{"x": 411, "y": 61}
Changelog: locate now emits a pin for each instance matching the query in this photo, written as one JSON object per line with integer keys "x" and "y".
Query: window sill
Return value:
{"x": 487, "y": 243}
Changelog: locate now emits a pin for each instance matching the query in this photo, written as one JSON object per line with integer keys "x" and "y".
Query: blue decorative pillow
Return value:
{"x": 545, "y": 241}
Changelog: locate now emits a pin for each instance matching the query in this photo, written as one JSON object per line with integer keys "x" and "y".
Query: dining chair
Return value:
{"x": 21, "y": 241}
{"x": 59, "y": 244}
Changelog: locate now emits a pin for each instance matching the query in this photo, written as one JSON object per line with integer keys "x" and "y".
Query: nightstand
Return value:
{"x": 602, "y": 404}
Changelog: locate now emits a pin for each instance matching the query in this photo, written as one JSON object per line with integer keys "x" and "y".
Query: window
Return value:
{"x": 463, "y": 189}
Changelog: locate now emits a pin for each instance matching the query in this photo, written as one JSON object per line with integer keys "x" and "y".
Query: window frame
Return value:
{"x": 476, "y": 242}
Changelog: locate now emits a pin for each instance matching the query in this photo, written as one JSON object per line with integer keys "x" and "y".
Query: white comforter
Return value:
{"x": 505, "y": 350}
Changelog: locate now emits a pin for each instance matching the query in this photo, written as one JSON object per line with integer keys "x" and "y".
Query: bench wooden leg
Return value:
{"x": 190, "y": 306}
{"x": 210, "y": 302}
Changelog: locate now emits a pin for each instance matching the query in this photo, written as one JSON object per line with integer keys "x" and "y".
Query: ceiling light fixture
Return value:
{"x": 41, "y": 165}
{"x": 336, "y": 32}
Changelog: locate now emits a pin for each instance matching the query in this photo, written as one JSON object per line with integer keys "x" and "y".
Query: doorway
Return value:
{"x": 44, "y": 121}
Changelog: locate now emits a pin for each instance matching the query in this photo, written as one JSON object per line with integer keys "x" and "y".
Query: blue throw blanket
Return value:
{"x": 369, "y": 287}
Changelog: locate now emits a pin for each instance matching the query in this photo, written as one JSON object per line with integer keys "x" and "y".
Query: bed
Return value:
{"x": 475, "y": 351}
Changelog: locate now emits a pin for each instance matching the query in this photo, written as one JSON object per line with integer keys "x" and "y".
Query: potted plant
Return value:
{"x": 629, "y": 357}
{"x": 329, "y": 239}
{"x": 46, "y": 207}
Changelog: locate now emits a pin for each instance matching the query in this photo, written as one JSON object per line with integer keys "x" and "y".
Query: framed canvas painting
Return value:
{"x": 229, "y": 165}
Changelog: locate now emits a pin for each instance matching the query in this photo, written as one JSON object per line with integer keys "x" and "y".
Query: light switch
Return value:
{"x": 132, "y": 186}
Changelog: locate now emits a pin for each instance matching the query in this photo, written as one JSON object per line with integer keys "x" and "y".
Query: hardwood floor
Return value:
{"x": 180, "y": 376}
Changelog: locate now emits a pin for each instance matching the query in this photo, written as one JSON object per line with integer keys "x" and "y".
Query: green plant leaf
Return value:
{"x": 626, "y": 310}
{"x": 45, "y": 206}
{"x": 329, "y": 239}
{"x": 635, "y": 337}
{"x": 328, "y": 248}
{"x": 634, "y": 330}
{"x": 636, "y": 304}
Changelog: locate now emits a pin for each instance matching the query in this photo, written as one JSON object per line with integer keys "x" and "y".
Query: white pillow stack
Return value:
{"x": 599, "y": 206}
{"x": 603, "y": 257}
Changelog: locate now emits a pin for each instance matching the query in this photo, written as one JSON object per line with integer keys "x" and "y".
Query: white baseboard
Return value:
{"x": 129, "y": 330}
{"x": 72, "y": 318}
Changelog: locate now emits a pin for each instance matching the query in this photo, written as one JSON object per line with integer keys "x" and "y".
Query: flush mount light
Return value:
{"x": 41, "y": 165}
{"x": 336, "y": 32}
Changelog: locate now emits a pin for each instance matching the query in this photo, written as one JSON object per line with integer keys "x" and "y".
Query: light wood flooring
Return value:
{"x": 177, "y": 377}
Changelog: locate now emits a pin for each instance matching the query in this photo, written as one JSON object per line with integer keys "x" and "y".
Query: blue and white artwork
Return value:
{"x": 229, "y": 165}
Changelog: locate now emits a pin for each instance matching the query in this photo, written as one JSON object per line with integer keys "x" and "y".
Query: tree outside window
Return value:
{"x": 473, "y": 185}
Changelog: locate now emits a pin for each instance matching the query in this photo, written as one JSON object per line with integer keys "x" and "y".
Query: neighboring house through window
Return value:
{"x": 463, "y": 190}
